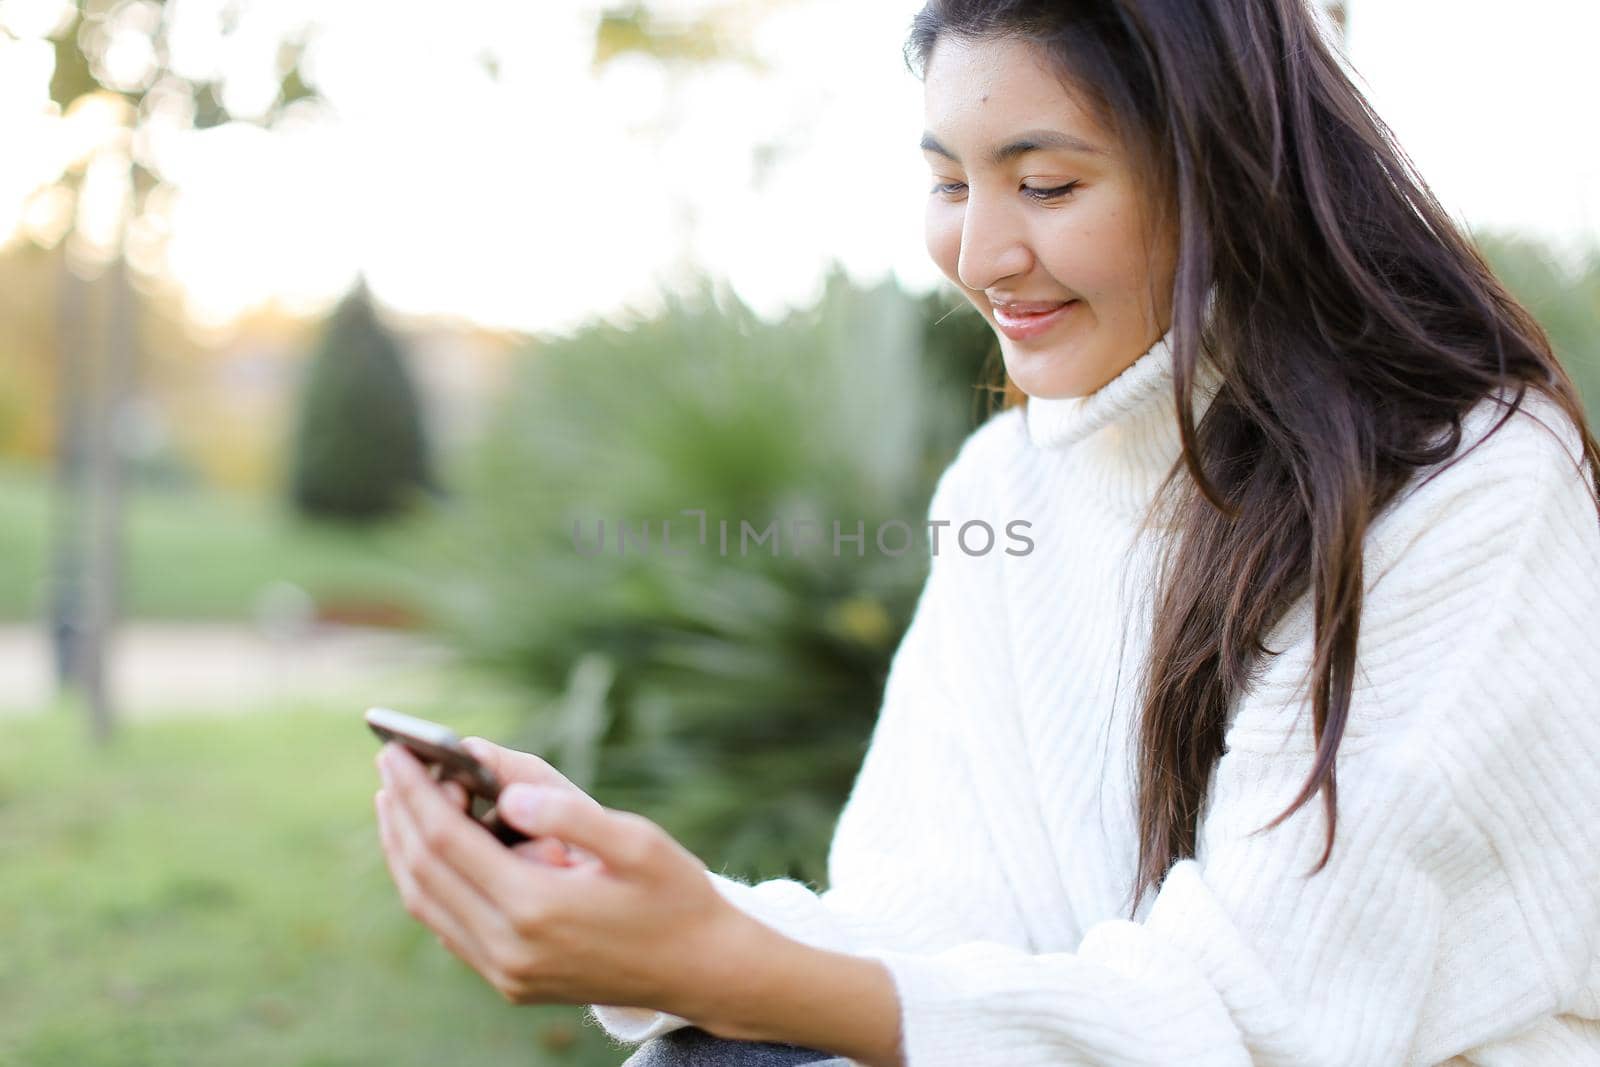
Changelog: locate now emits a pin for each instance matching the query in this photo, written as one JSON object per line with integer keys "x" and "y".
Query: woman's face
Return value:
{"x": 1049, "y": 222}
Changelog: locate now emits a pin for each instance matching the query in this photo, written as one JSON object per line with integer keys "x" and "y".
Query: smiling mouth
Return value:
{"x": 1019, "y": 326}
{"x": 1023, "y": 312}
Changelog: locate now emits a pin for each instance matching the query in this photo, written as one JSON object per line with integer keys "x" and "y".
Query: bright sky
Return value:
{"x": 543, "y": 199}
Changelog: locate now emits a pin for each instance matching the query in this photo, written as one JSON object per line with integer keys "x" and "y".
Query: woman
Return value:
{"x": 1311, "y": 515}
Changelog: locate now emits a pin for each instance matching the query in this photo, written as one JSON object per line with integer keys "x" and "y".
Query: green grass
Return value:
{"x": 212, "y": 891}
{"x": 201, "y": 554}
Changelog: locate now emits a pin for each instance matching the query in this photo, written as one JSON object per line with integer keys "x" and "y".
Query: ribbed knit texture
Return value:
{"x": 988, "y": 847}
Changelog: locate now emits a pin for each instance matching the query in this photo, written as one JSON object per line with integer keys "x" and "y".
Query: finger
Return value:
{"x": 553, "y": 850}
{"x": 577, "y": 856}
{"x": 454, "y": 907}
{"x": 457, "y": 794}
{"x": 544, "y": 850}
{"x": 469, "y": 855}
{"x": 453, "y": 941}
{"x": 445, "y": 927}
{"x": 509, "y": 765}
{"x": 622, "y": 840}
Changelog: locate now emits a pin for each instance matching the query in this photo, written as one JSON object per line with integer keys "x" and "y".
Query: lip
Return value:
{"x": 1021, "y": 327}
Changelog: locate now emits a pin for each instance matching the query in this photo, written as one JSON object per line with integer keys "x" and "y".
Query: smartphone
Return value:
{"x": 446, "y": 758}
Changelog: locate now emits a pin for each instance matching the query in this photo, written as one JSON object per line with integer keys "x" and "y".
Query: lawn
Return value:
{"x": 202, "y": 554}
{"x": 212, "y": 891}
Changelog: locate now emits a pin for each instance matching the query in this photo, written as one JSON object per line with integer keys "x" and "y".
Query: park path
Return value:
{"x": 161, "y": 669}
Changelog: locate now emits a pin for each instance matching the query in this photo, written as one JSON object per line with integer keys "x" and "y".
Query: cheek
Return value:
{"x": 942, "y": 235}
{"x": 1097, "y": 255}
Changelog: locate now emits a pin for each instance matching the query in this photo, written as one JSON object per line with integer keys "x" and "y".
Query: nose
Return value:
{"x": 994, "y": 244}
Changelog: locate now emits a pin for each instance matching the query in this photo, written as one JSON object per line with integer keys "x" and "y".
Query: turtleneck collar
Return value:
{"x": 1125, "y": 434}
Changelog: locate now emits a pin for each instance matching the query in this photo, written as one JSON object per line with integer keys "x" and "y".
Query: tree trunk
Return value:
{"x": 96, "y": 331}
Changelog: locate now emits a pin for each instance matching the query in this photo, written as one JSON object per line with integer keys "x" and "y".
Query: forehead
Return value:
{"x": 976, "y": 91}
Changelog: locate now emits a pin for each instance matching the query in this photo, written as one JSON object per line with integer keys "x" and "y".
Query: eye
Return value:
{"x": 1050, "y": 194}
{"x": 1041, "y": 195}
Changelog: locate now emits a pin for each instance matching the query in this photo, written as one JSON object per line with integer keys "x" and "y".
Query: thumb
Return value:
{"x": 617, "y": 838}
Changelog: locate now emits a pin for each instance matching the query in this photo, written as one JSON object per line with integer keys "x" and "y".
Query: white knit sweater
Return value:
{"x": 987, "y": 849}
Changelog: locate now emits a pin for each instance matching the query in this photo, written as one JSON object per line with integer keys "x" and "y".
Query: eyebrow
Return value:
{"x": 1028, "y": 141}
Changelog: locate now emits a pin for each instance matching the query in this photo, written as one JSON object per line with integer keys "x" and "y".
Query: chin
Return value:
{"x": 1039, "y": 381}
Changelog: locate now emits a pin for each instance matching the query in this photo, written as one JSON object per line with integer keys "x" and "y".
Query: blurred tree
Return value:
{"x": 359, "y": 448}
{"x": 718, "y": 35}
{"x": 27, "y": 353}
{"x": 119, "y": 86}
{"x": 680, "y": 46}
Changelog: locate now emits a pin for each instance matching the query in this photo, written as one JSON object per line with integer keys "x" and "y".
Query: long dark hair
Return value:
{"x": 1353, "y": 323}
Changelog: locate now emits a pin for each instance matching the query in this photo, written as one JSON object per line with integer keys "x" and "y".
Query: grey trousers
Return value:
{"x": 690, "y": 1046}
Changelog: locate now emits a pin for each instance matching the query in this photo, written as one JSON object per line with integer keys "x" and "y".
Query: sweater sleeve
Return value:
{"x": 1457, "y": 908}
{"x": 906, "y": 825}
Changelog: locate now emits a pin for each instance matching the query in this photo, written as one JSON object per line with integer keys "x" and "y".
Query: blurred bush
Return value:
{"x": 359, "y": 449}
{"x": 13, "y": 407}
{"x": 1564, "y": 297}
{"x": 728, "y": 694}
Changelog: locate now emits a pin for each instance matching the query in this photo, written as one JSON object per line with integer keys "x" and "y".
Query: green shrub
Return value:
{"x": 359, "y": 449}
{"x": 729, "y": 694}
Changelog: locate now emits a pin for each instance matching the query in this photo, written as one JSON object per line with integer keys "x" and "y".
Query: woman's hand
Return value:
{"x": 627, "y": 917}
{"x": 508, "y": 766}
